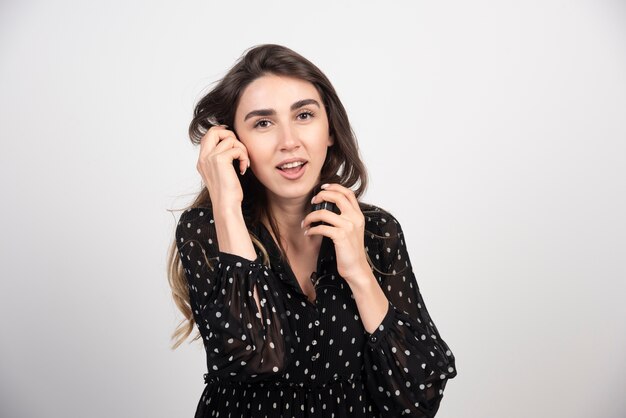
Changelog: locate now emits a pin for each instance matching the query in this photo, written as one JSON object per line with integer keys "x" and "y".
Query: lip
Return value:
{"x": 293, "y": 176}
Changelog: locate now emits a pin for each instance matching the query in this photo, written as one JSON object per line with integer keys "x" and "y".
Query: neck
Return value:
{"x": 288, "y": 215}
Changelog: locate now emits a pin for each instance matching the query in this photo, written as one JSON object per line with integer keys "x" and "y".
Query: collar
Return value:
{"x": 325, "y": 258}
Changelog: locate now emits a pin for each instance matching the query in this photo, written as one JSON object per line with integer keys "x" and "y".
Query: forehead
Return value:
{"x": 275, "y": 92}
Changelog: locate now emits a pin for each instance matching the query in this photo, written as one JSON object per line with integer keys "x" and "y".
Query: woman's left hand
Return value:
{"x": 346, "y": 230}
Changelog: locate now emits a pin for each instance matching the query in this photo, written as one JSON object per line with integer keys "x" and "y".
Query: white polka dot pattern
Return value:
{"x": 409, "y": 362}
{"x": 300, "y": 358}
{"x": 239, "y": 345}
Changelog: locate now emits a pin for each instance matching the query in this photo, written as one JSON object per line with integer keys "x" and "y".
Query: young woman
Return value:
{"x": 303, "y": 313}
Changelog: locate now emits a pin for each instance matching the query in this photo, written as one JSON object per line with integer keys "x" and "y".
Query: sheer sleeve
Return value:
{"x": 241, "y": 343}
{"x": 407, "y": 362}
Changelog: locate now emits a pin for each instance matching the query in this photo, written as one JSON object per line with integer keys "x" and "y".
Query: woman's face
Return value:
{"x": 280, "y": 118}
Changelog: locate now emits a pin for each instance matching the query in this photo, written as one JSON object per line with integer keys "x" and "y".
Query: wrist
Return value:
{"x": 227, "y": 209}
{"x": 232, "y": 233}
{"x": 362, "y": 278}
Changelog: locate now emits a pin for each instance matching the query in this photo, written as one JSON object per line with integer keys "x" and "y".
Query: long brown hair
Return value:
{"x": 343, "y": 164}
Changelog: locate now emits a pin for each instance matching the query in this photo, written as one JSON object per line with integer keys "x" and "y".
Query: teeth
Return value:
{"x": 291, "y": 165}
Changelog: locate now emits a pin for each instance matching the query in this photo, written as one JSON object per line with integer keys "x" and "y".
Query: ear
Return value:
{"x": 331, "y": 140}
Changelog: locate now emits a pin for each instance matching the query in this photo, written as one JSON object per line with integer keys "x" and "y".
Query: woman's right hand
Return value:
{"x": 218, "y": 148}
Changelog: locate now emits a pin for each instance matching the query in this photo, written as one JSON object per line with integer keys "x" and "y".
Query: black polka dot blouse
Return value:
{"x": 297, "y": 358}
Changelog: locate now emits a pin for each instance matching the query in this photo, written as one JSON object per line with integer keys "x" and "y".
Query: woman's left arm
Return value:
{"x": 407, "y": 362}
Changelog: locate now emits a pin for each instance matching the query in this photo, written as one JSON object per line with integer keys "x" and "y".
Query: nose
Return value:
{"x": 288, "y": 137}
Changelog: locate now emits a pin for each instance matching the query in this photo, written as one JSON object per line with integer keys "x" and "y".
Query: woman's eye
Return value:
{"x": 261, "y": 123}
{"x": 264, "y": 123}
{"x": 306, "y": 115}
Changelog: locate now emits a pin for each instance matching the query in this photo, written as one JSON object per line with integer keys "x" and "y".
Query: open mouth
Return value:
{"x": 293, "y": 170}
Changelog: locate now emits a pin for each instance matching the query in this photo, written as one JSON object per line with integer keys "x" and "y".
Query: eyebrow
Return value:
{"x": 271, "y": 112}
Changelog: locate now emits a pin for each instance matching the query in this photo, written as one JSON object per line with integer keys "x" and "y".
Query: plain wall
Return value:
{"x": 494, "y": 131}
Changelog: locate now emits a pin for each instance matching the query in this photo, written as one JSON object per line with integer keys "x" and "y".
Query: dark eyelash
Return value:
{"x": 307, "y": 112}
{"x": 256, "y": 125}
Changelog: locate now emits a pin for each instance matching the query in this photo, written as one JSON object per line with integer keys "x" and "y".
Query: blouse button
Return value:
{"x": 314, "y": 342}
{"x": 317, "y": 322}
{"x": 373, "y": 339}
{"x": 313, "y": 358}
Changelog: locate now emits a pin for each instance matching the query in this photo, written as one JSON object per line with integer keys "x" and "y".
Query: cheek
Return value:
{"x": 259, "y": 156}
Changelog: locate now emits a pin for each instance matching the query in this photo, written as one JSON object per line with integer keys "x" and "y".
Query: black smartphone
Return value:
{"x": 324, "y": 205}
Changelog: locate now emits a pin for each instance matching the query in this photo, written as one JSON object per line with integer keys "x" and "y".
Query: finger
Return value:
{"x": 335, "y": 197}
{"x": 230, "y": 143}
{"x": 216, "y": 141}
{"x": 223, "y": 143}
{"x": 325, "y": 230}
{"x": 348, "y": 193}
{"x": 323, "y": 215}
{"x": 214, "y": 135}
{"x": 243, "y": 157}
{"x": 352, "y": 198}
{"x": 226, "y": 143}
{"x": 239, "y": 152}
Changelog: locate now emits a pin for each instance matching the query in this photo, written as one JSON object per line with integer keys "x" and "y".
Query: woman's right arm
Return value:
{"x": 236, "y": 301}
{"x": 243, "y": 340}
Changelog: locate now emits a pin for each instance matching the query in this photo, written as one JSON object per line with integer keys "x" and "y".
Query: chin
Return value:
{"x": 293, "y": 192}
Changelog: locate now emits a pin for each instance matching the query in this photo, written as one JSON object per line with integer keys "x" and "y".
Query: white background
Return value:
{"x": 493, "y": 130}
